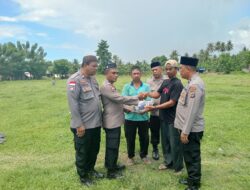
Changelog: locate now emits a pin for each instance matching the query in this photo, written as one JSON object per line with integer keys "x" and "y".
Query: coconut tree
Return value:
{"x": 174, "y": 55}
{"x": 229, "y": 46}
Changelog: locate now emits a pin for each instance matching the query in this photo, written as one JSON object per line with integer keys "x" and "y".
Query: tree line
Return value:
{"x": 216, "y": 57}
{"x": 16, "y": 59}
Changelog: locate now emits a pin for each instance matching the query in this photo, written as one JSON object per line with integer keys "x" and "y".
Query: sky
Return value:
{"x": 134, "y": 29}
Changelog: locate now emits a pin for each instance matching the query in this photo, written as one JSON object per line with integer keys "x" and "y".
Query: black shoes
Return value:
{"x": 190, "y": 187}
{"x": 155, "y": 154}
{"x": 114, "y": 174}
{"x": 95, "y": 174}
{"x": 87, "y": 181}
{"x": 120, "y": 167}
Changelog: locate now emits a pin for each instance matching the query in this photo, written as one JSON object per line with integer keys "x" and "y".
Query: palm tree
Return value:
{"x": 217, "y": 46}
{"x": 194, "y": 55}
{"x": 244, "y": 48}
{"x": 201, "y": 55}
{"x": 174, "y": 55}
{"x": 229, "y": 46}
{"x": 210, "y": 47}
{"x": 222, "y": 47}
{"x": 116, "y": 60}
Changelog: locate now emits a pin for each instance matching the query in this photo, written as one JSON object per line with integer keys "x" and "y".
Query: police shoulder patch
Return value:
{"x": 72, "y": 85}
{"x": 192, "y": 88}
{"x": 192, "y": 91}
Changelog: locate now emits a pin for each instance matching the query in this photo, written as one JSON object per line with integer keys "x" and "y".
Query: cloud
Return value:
{"x": 18, "y": 32}
{"x": 240, "y": 36}
{"x": 38, "y": 15}
{"x": 75, "y": 15}
{"x": 139, "y": 29}
{"x": 88, "y": 18}
{"x": 41, "y": 34}
{"x": 70, "y": 46}
{"x": 12, "y": 31}
{"x": 7, "y": 19}
{"x": 65, "y": 46}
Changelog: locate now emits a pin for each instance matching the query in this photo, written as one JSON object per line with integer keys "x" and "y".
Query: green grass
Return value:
{"x": 39, "y": 153}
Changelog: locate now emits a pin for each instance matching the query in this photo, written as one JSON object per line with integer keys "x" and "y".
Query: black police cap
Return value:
{"x": 189, "y": 61}
{"x": 110, "y": 65}
{"x": 155, "y": 64}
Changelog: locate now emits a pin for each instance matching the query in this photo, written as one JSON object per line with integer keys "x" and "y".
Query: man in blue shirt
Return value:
{"x": 136, "y": 120}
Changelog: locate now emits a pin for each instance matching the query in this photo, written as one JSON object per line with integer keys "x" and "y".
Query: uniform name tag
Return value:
{"x": 86, "y": 88}
{"x": 83, "y": 82}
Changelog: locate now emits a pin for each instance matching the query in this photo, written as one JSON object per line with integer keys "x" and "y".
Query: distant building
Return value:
{"x": 28, "y": 75}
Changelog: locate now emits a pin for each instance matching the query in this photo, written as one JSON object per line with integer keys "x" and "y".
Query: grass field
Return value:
{"x": 39, "y": 154}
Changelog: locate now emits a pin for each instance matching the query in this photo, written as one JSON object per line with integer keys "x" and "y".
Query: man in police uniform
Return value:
{"x": 155, "y": 82}
{"x": 85, "y": 107}
{"x": 113, "y": 118}
{"x": 169, "y": 92}
{"x": 189, "y": 120}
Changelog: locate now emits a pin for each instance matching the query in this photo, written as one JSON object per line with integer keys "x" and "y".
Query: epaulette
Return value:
{"x": 74, "y": 76}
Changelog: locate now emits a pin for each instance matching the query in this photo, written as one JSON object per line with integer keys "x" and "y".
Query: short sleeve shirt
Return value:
{"x": 130, "y": 90}
{"x": 170, "y": 90}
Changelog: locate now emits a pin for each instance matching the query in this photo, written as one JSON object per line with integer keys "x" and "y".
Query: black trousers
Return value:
{"x": 192, "y": 158}
{"x": 130, "y": 128}
{"x": 112, "y": 147}
{"x": 86, "y": 150}
{"x": 154, "y": 126}
{"x": 171, "y": 146}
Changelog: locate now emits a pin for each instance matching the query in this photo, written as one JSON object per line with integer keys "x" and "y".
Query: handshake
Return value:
{"x": 148, "y": 106}
{"x": 141, "y": 108}
{"x": 142, "y": 95}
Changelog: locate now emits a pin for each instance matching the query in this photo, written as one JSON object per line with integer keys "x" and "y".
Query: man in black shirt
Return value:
{"x": 169, "y": 92}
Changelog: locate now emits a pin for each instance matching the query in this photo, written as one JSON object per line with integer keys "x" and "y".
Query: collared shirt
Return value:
{"x": 84, "y": 101}
{"x": 155, "y": 84}
{"x": 112, "y": 101}
{"x": 189, "y": 112}
{"x": 130, "y": 90}
{"x": 170, "y": 90}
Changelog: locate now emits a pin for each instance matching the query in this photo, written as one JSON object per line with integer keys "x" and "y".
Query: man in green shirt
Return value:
{"x": 134, "y": 121}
